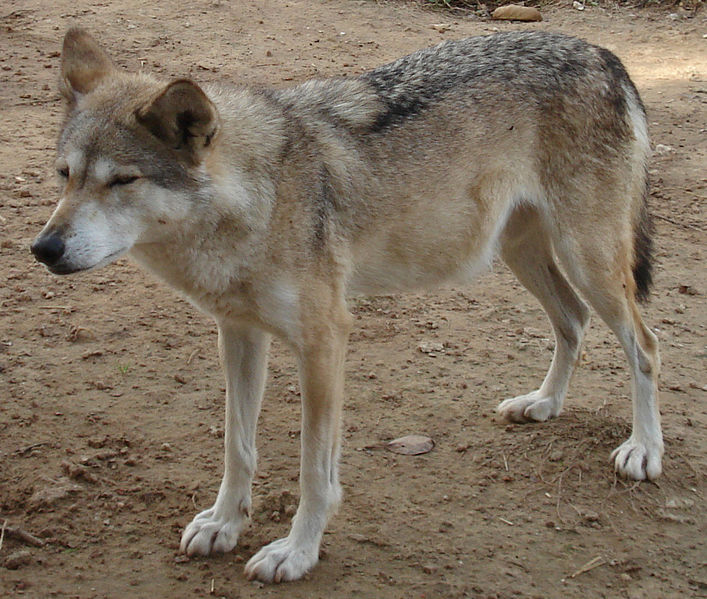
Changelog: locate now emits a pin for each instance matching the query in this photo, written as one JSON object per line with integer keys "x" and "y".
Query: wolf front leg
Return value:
{"x": 244, "y": 357}
{"x": 321, "y": 363}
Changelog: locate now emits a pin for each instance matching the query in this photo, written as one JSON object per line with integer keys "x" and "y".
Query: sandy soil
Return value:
{"x": 111, "y": 393}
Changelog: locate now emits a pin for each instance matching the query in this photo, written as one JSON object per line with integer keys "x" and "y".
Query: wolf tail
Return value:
{"x": 643, "y": 249}
{"x": 643, "y": 223}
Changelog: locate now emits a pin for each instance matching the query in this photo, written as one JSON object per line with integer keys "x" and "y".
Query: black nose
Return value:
{"x": 48, "y": 248}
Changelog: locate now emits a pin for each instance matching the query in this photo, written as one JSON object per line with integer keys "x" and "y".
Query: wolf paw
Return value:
{"x": 211, "y": 532}
{"x": 637, "y": 460}
{"x": 281, "y": 561}
{"x": 532, "y": 407}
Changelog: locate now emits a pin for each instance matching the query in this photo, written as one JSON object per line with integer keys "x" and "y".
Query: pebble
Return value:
{"x": 590, "y": 516}
{"x": 51, "y": 495}
{"x": 513, "y": 12}
{"x": 556, "y": 455}
{"x": 430, "y": 347}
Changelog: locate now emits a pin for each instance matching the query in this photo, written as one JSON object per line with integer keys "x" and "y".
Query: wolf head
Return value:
{"x": 130, "y": 159}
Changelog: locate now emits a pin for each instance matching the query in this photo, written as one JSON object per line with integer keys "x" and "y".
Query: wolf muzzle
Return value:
{"x": 48, "y": 248}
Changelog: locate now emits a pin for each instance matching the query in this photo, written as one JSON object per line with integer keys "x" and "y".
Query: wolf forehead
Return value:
{"x": 109, "y": 132}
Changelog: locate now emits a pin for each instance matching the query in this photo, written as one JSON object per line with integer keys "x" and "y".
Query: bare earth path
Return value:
{"x": 111, "y": 394}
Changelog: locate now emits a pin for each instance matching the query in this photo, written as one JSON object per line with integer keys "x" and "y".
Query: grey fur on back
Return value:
{"x": 536, "y": 64}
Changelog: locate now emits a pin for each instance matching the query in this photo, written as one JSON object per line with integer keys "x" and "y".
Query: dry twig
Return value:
{"x": 29, "y": 448}
{"x": 679, "y": 224}
{"x": 590, "y": 565}
{"x": 21, "y": 535}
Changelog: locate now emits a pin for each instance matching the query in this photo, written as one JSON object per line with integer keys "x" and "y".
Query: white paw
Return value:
{"x": 531, "y": 407}
{"x": 281, "y": 561}
{"x": 637, "y": 460}
{"x": 211, "y": 532}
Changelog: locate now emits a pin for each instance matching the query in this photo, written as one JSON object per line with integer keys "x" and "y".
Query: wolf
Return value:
{"x": 267, "y": 208}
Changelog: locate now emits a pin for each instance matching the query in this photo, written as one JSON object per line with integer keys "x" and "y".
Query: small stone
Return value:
{"x": 79, "y": 334}
{"x": 513, "y": 12}
{"x": 51, "y": 495}
{"x": 687, "y": 290}
{"x": 430, "y": 347}
{"x": 76, "y": 471}
{"x": 556, "y": 455}
{"x": 590, "y": 516}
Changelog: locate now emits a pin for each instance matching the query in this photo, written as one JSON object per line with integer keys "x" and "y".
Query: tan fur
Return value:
{"x": 267, "y": 209}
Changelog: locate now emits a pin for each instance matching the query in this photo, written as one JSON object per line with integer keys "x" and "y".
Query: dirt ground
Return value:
{"x": 111, "y": 394}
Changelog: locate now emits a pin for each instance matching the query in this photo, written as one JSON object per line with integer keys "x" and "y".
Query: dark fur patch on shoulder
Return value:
{"x": 396, "y": 112}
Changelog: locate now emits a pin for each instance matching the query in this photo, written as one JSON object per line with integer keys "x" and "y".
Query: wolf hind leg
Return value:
{"x": 603, "y": 273}
{"x": 526, "y": 249}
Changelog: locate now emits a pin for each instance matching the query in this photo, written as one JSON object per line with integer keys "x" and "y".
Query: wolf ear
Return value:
{"x": 83, "y": 64}
{"x": 183, "y": 117}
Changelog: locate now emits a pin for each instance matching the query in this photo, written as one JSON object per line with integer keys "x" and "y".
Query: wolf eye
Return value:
{"x": 123, "y": 180}
{"x": 63, "y": 172}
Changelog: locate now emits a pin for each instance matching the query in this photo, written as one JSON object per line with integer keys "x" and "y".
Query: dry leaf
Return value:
{"x": 411, "y": 445}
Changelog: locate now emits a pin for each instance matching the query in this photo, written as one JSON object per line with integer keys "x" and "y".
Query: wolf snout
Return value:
{"x": 48, "y": 248}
